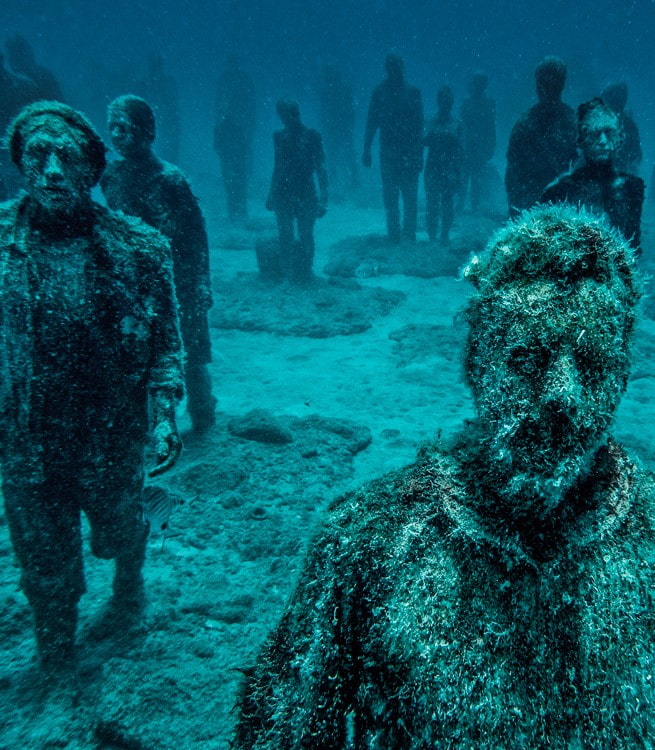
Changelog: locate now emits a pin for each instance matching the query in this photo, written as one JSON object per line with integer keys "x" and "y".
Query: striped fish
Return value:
{"x": 158, "y": 504}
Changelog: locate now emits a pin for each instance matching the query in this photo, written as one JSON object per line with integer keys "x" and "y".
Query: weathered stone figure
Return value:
{"x": 596, "y": 183}
{"x": 299, "y": 161}
{"x": 443, "y": 166}
{"x": 140, "y": 184}
{"x": 542, "y": 143}
{"x": 498, "y": 592}
{"x": 89, "y": 344}
{"x": 396, "y": 110}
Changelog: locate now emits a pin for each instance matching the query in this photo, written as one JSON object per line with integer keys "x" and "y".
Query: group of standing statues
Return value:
{"x": 548, "y": 142}
{"x": 495, "y": 593}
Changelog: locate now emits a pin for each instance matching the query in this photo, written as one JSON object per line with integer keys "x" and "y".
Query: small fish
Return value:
{"x": 158, "y": 504}
{"x": 367, "y": 268}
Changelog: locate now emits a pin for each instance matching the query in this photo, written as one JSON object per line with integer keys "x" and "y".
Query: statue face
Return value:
{"x": 551, "y": 369}
{"x": 125, "y": 135}
{"x": 58, "y": 175}
{"x": 600, "y": 137}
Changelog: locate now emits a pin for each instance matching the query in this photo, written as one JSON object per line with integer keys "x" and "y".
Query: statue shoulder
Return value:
{"x": 131, "y": 234}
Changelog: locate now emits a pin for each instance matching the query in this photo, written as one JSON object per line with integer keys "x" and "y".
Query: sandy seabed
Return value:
{"x": 350, "y": 406}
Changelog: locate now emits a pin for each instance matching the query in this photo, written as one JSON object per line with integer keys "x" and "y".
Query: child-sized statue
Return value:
{"x": 140, "y": 184}
{"x": 498, "y": 593}
{"x": 89, "y": 346}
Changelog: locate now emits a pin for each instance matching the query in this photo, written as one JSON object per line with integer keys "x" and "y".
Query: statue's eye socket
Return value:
{"x": 530, "y": 361}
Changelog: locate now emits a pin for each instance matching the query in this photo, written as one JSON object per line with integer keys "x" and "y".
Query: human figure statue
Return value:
{"x": 396, "y": 110}
{"x": 22, "y": 60}
{"x": 478, "y": 116}
{"x": 233, "y": 135}
{"x": 140, "y": 184}
{"x": 299, "y": 163}
{"x": 160, "y": 89}
{"x": 91, "y": 366}
{"x": 542, "y": 144}
{"x": 443, "y": 166}
{"x": 16, "y": 91}
{"x": 337, "y": 117}
{"x": 498, "y": 592}
{"x": 629, "y": 154}
{"x": 596, "y": 183}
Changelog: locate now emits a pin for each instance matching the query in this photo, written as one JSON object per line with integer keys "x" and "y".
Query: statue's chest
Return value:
{"x": 475, "y": 650}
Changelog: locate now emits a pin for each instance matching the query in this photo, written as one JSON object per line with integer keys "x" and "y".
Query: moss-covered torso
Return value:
{"x": 418, "y": 623}
{"x": 159, "y": 194}
{"x": 89, "y": 324}
{"x": 616, "y": 195}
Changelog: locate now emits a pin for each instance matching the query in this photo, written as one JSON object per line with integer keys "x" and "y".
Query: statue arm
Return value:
{"x": 165, "y": 374}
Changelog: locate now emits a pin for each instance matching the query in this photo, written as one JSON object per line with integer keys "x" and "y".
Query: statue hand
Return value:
{"x": 167, "y": 445}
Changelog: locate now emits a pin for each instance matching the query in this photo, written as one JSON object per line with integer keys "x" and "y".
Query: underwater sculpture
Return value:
{"x": 396, "y": 110}
{"x": 443, "y": 166}
{"x": 90, "y": 345}
{"x": 140, "y": 184}
{"x": 596, "y": 183}
{"x": 478, "y": 116}
{"x": 542, "y": 144}
{"x": 498, "y": 592}
{"x": 299, "y": 158}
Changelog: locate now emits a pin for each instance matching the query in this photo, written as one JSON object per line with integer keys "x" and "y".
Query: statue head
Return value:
{"x": 599, "y": 132}
{"x": 289, "y": 112}
{"x": 59, "y": 153}
{"x": 395, "y": 68}
{"x": 550, "y": 77}
{"x": 548, "y": 351}
{"x": 131, "y": 123}
{"x": 478, "y": 83}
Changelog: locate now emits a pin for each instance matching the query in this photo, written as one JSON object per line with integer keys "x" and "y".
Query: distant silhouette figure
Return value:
{"x": 629, "y": 154}
{"x": 22, "y": 60}
{"x": 596, "y": 183}
{"x": 396, "y": 110}
{"x": 542, "y": 143}
{"x": 233, "y": 134}
{"x": 443, "y": 166}
{"x": 478, "y": 115}
{"x": 337, "y": 115}
{"x": 298, "y": 158}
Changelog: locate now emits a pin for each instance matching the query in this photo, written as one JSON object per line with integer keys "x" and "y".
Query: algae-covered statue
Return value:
{"x": 91, "y": 359}
{"x": 140, "y": 184}
{"x": 498, "y": 593}
{"x": 596, "y": 183}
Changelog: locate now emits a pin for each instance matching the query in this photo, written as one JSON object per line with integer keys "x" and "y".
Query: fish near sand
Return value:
{"x": 158, "y": 504}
